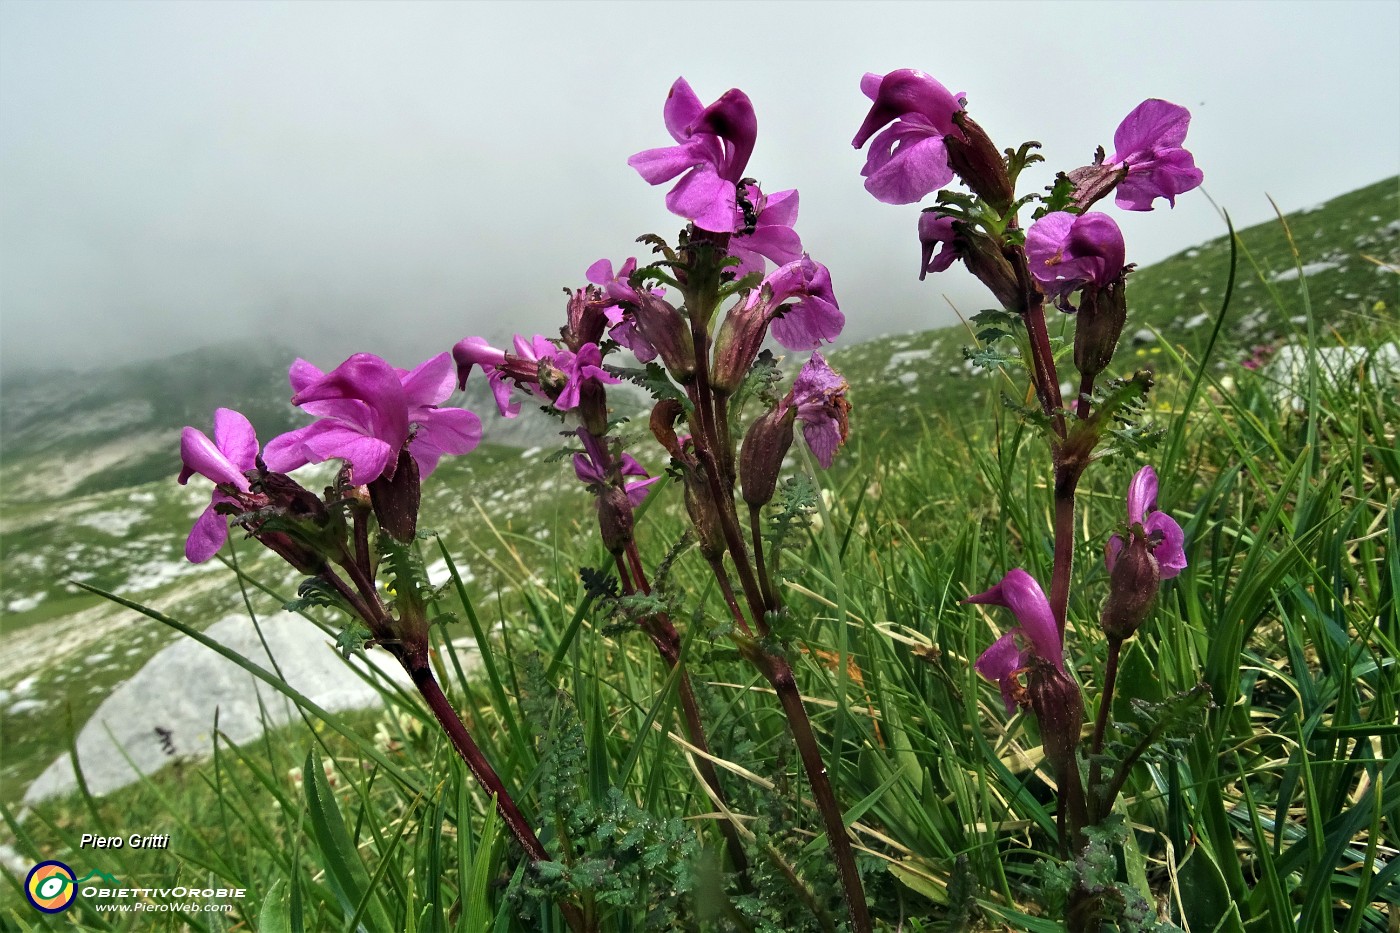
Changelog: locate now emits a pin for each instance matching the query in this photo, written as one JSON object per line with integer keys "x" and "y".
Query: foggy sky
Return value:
{"x": 355, "y": 176}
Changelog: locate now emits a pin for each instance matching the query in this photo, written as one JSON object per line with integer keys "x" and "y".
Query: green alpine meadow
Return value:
{"x": 689, "y": 613}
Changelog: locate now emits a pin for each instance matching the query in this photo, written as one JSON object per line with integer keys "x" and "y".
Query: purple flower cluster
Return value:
{"x": 367, "y": 411}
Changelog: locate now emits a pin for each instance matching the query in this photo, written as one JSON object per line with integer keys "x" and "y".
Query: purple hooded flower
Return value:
{"x": 618, "y": 288}
{"x": 1148, "y": 144}
{"x": 224, "y": 461}
{"x": 523, "y": 368}
{"x": 713, "y": 148}
{"x": 909, "y": 159}
{"x": 935, "y": 232}
{"x": 819, "y": 395}
{"x": 1035, "y": 636}
{"x": 813, "y": 317}
{"x": 772, "y": 233}
{"x": 589, "y": 473}
{"x": 1066, "y": 252}
{"x": 368, "y": 411}
{"x": 1166, "y": 541}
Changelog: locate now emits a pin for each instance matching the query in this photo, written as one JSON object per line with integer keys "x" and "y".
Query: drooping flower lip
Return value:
{"x": 1148, "y": 143}
{"x": 909, "y": 159}
{"x": 813, "y": 317}
{"x": 936, "y": 233}
{"x": 1036, "y": 635}
{"x": 225, "y": 459}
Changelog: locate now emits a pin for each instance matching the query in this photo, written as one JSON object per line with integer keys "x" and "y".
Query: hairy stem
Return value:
{"x": 780, "y": 675}
{"x": 1110, "y": 680}
{"x": 481, "y": 769}
{"x": 756, "y": 530}
{"x": 1064, "y": 546}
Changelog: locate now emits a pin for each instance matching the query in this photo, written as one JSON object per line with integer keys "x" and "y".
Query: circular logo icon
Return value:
{"x": 50, "y": 887}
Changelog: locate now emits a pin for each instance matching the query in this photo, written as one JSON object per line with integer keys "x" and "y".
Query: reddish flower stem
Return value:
{"x": 1064, "y": 549}
{"x": 780, "y": 676}
{"x": 481, "y": 769}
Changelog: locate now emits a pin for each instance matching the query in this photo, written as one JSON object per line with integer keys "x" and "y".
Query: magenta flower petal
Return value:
{"x": 1165, "y": 538}
{"x": 1066, "y": 252}
{"x": 705, "y": 198}
{"x": 772, "y": 237}
{"x": 658, "y": 166}
{"x": 1148, "y": 142}
{"x": 713, "y": 148}
{"x": 682, "y": 109}
{"x": 286, "y": 452}
{"x": 233, "y": 434}
{"x": 443, "y": 431}
{"x": 1019, "y": 592}
{"x": 906, "y": 163}
{"x": 815, "y": 317}
{"x": 474, "y": 351}
{"x": 935, "y": 232}
{"x": 368, "y": 456}
{"x": 905, "y": 93}
{"x": 225, "y": 459}
{"x": 429, "y": 383}
{"x": 819, "y": 395}
{"x": 209, "y": 533}
{"x": 367, "y": 408}
{"x": 1000, "y": 663}
{"x": 1170, "y": 547}
{"x": 1153, "y": 124}
{"x": 1142, "y": 495}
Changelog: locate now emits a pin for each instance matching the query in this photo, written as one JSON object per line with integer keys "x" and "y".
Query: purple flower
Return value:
{"x": 589, "y": 473}
{"x": 819, "y": 396}
{"x": 224, "y": 461}
{"x": 587, "y": 363}
{"x": 772, "y": 235}
{"x": 368, "y": 411}
{"x": 567, "y": 370}
{"x": 1165, "y": 539}
{"x": 1066, "y": 252}
{"x": 1148, "y": 143}
{"x": 713, "y": 148}
{"x": 1035, "y": 636}
{"x": 813, "y": 317}
{"x": 909, "y": 159}
{"x": 618, "y": 288}
{"x": 936, "y": 232}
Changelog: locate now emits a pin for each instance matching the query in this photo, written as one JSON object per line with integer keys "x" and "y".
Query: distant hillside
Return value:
{"x": 1350, "y": 251}
{"x": 88, "y": 461}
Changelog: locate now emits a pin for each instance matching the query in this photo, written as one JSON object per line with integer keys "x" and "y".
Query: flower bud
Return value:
{"x": 615, "y": 519}
{"x": 1095, "y": 182}
{"x": 737, "y": 344}
{"x": 593, "y": 407}
{"x": 977, "y": 161}
{"x": 663, "y": 425}
{"x": 1102, "y": 312}
{"x": 1059, "y": 709}
{"x": 704, "y": 516}
{"x": 985, "y": 260}
{"x": 395, "y": 499}
{"x": 585, "y": 316}
{"x": 663, "y": 327}
{"x": 761, "y": 457}
{"x": 1132, "y": 586}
